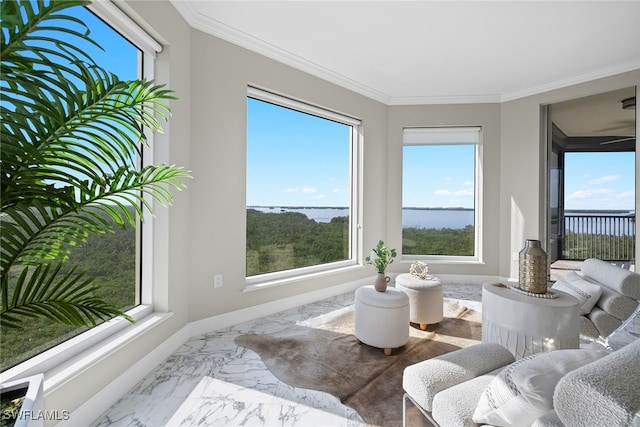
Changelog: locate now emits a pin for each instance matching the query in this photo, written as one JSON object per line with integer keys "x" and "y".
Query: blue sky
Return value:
{"x": 600, "y": 181}
{"x": 300, "y": 160}
{"x": 295, "y": 159}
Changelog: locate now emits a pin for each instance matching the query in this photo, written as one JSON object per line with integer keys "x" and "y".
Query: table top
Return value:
{"x": 503, "y": 291}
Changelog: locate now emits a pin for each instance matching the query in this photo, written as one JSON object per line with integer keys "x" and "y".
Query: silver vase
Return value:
{"x": 532, "y": 268}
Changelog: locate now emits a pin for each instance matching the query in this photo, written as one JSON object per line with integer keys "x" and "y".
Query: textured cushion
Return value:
{"x": 616, "y": 304}
{"x": 523, "y": 391}
{"x": 627, "y": 333}
{"x": 605, "y": 322}
{"x": 605, "y": 392}
{"x": 588, "y": 329}
{"x": 550, "y": 419}
{"x": 582, "y": 289}
{"x": 423, "y": 380}
{"x": 454, "y": 406}
{"x": 620, "y": 280}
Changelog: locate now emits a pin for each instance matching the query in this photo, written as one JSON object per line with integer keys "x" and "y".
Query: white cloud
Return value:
{"x": 442, "y": 192}
{"x": 605, "y": 179}
{"x": 585, "y": 194}
{"x": 305, "y": 190}
{"x": 463, "y": 193}
{"x": 468, "y": 183}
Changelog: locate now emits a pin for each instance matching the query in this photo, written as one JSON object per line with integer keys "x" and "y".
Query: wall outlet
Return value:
{"x": 217, "y": 281}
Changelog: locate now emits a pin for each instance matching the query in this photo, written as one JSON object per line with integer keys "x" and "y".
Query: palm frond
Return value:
{"x": 67, "y": 298}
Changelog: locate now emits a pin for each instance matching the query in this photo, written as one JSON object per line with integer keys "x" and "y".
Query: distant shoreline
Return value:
{"x": 346, "y": 207}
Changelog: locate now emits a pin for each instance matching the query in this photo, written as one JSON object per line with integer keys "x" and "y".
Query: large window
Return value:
{"x": 112, "y": 258}
{"x": 439, "y": 192}
{"x": 301, "y": 169}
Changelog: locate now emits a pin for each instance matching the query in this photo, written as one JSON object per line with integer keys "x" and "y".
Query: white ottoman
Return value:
{"x": 425, "y": 296}
{"x": 382, "y": 318}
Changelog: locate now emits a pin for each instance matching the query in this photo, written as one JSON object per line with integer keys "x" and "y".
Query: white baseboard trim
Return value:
{"x": 250, "y": 313}
{"x": 105, "y": 398}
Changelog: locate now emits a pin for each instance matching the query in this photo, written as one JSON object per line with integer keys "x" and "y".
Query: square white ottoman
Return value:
{"x": 382, "y": 318}
{"x": 426, "y": 298}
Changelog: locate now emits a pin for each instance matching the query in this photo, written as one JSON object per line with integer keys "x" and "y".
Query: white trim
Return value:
{"x": 294, "y": 104}
{"x": 126, "y": 26}
{"x": 58, "y": 355}
{"x": 441, "y": 135}
{"x": 216, "y": 28}
{"x": 103, "y": 400}
{"x": 260, "y": 281}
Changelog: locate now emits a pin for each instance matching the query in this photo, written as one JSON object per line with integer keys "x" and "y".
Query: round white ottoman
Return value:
{"x": 425, "y": 296}
{"x": 382, "y": 318}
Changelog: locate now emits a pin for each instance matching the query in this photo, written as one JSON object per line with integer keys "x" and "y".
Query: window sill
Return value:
{"x": 94, "y": 342}
{"x": 268, "y": 281}
{"x": 441, "y": 260}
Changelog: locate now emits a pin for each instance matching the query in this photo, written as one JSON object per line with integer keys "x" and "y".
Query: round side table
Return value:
{"x": 526, "y": 324}
{"x": 382, "y": 318}
{"x": 426, "y": 298}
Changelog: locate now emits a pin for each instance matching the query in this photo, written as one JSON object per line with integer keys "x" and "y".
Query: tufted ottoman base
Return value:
{"x": 426, "y": 298}
{"x": 382, "y": 318}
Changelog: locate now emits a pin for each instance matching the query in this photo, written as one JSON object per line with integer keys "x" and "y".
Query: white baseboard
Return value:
{"x": 105, "y": 398}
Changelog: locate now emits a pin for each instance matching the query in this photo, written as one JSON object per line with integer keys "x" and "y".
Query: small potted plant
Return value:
{"x": 381, "y": 257}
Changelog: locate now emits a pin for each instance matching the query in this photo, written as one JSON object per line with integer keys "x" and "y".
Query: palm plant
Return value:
{"x": 71, "y": 136}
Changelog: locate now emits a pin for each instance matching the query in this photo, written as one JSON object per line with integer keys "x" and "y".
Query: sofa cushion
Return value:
{"x": 423, "y": 380}
{"x": 585, "y": 291}
{"x": 604, "y": 392}
{"x": 523, "y": 391}
{"x": 627, "y": 333}
{"x": 617, "y": 305}
{"x": 454, "y": 406}
{"x": 620, "y": 280}
{"x": 605, "y": 322}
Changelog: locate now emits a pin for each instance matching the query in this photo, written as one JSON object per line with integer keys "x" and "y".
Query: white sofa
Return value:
{"x": 608, "y": 295}
{"x": 583, "y": 387}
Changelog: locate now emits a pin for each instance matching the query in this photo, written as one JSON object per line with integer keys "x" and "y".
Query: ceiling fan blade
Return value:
{"x": 614, "y": 141}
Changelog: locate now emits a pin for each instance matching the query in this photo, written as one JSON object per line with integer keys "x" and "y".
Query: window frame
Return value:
{"x": 451, "y": 135}
{"x": 65, "y": 351}
{"x": 260, "y": 281}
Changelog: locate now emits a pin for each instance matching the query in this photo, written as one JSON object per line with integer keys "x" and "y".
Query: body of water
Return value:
{"x": 417, "y": 218}
{"x": 434, "y": 218}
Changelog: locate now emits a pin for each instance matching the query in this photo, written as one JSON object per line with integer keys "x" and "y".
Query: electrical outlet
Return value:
{"x": 217, "y": 281}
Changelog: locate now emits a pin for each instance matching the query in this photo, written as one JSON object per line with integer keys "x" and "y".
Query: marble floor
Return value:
{"x": 210, "y": 381}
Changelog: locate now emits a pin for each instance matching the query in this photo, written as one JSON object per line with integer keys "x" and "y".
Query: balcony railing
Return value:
{"x": 606, "y": 237}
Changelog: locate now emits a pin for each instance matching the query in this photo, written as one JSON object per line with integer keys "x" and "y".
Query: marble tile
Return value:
{"x": 210, "y": 381}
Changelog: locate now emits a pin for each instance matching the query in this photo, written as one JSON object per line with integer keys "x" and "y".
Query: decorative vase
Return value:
{"x": 532, "y": 268}
{"x": 381, "y": 282}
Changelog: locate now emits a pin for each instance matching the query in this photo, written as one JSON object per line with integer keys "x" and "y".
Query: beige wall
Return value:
{"x": 522, "y": 191}
{"x": 203, "y": 233}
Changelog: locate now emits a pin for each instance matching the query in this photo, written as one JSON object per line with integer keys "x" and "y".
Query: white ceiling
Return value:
{"x": 421, "y": 52}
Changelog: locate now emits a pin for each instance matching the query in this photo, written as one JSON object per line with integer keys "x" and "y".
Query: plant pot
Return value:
{"x": 381, "y": 282}
{"x": 29, "y": 414}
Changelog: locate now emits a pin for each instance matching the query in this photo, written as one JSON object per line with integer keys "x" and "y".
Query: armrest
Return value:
{"x": 423, "y": 380}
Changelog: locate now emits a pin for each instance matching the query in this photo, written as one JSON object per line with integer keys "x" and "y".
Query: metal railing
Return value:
{"x": 606, "y": 237}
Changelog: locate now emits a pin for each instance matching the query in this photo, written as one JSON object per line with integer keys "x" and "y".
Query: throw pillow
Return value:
{"x": 523, "y": 391}
{"x": 583, "y": 290}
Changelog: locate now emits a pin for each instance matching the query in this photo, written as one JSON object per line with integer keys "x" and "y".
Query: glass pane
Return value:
{"x": 298, "y": 189}
{"x": 438, "y": 200}
{"x": 599, "y": 206}
{"x": 110, "y": 258}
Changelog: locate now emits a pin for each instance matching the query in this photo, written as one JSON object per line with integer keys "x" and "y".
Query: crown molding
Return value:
{"x": 232, "y": 35}
{"x": 218, "y": 29}
{"x": 574, "y": 80}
